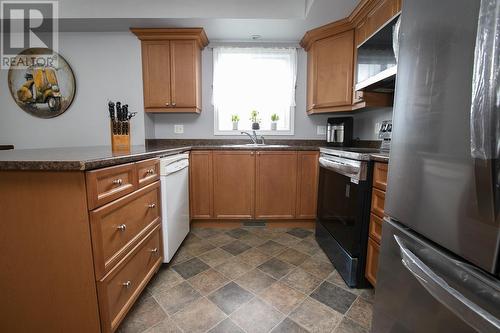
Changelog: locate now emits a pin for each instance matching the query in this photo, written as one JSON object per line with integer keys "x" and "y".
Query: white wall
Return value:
{"x": 161, "y": 126}
{"x": 107, "y": 66}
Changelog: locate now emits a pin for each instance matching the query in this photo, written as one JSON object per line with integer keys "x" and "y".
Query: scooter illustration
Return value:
{"x": 41, "y": 86}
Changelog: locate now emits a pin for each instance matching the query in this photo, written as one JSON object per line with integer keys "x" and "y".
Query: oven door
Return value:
{"x": 341, "y": 206}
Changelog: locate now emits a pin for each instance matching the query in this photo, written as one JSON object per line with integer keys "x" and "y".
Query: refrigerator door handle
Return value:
{"x": 474, "y": 315}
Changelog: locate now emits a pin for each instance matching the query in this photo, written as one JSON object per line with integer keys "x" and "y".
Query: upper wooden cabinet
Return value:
{"x": 331, "y": 58}
{"x": 376, "y": 15}
{"x": 331, "y": 73}
{"x": 171, "y": 68}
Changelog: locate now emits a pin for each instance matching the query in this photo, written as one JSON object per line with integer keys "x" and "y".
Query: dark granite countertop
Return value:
{"x": 77, "y": 158}
{"x": 88, "y": 158}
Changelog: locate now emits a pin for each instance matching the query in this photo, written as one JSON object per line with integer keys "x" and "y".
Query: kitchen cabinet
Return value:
{"x": 238, "y": 185}
{"x": 377, "y": 16}
{"x": 234, "y": 184}
{"x": 376, "y": 220}
{"x": 307, "y": 184}
{"x": 330, "y": 73}
{"x": 83, "y": 252}
{"x": 331, "y": 59}
{"x": 276, "y": 185}
{"x": 171, "y": 68}
{"x": 201, "y": 184}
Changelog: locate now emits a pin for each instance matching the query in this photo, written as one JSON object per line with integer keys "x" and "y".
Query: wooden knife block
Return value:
{"x": 120, "y": 142}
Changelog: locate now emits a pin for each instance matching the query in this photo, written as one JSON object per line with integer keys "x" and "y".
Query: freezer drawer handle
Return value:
{"x": 464, "y": 308}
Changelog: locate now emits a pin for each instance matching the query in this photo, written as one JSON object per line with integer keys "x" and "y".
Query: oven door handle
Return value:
{"x": 339, "y": 167}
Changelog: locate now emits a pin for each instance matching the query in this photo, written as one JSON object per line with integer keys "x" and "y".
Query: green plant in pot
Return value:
{"x": 254, "y": 118}
{"x": 274, "y": 121}
{"x": 235, "y": 119}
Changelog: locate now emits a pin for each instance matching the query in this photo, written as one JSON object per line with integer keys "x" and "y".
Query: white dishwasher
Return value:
{"x": 174, "y": 178}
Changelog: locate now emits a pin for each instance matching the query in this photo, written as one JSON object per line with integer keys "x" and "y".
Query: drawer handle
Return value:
{"x": 150, "y": 171}
{"x": 153, "y": 205}
{"x": 167, "y": 104}
{"x": 127, "y": 284}
{"x": 122, "y": 227}
{"x": 173, "y": 104}
{"x": 155, "y": 250}
{"x": 118, "y": 181}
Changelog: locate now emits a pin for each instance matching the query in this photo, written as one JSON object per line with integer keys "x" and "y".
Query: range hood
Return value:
{"x": 377, "y": 60}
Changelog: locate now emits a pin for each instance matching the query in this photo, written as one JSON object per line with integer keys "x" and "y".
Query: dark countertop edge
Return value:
{"x": 380, "y": 158}
{"x": 86, "y": 165}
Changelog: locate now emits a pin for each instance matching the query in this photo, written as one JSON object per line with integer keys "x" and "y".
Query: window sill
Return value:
{"x": 259, "y": 132}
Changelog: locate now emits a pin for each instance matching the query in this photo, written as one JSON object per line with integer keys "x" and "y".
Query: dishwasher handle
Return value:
{"x": 176, "y": 166}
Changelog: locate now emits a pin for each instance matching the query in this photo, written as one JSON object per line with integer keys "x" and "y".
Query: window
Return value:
{"x": 261, "y": 79}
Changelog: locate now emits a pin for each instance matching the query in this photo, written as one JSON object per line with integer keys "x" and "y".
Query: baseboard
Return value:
{"x": 231, "y": 224}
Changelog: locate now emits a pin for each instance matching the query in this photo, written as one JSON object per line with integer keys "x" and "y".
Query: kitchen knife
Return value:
{"x": 111, "y": 109}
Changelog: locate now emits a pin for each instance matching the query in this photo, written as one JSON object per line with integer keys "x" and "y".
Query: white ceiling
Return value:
{"x": 223, "y": 20}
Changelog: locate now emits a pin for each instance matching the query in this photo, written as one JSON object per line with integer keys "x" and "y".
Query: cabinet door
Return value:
{"x": 383, "y": 12}
{"x": 184, "y": 65}
{"x": 372, "y": 255}
{"x": 234, "y": 184}
{"x": 307, "y": 186}
{"x": 201, "y": 185}
{"x": 156, "y": 74}
{"x": 333, "y": 68}
{"x": 276, "y": 185}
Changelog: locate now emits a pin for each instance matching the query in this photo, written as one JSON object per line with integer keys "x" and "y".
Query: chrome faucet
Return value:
{"x": 253, "y": 137}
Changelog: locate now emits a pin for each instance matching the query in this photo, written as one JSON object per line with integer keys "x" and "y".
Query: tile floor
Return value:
{"x": 250, "y": 280}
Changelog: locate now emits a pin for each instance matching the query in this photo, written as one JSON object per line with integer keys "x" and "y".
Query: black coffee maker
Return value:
{"x": 339, "y": 131}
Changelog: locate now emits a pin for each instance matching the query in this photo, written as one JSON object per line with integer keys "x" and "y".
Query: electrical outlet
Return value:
{"x": 320, "y": 130}
{"x": 178, "y": 129}
{"x": 377, "y": 128}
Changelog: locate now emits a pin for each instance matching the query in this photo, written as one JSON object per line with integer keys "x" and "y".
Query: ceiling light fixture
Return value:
{"x": 256, "y": 37}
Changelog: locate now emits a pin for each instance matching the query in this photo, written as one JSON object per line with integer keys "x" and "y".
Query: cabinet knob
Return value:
{"x": 155, "y": 250}
{"x": 118, "y": 181}
{"x": 153, "y": 205}
{"x": 167, "y": 104}
{"x": 122, "y": 227}
{"x": 127, "y": 284}
{"x": 150, "y": 171}
{"x": 173, "y": 103}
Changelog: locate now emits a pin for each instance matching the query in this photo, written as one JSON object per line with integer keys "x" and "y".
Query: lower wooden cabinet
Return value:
{"x": 253, "y": 184}
{"x": 234, "y": 184}
{"x": 201, "y": 184}
{"x": 307, "y": 184}
{"x": 376, "y": 221}
{"x": 372, "y": 254}
{"x": 276, "y": 185}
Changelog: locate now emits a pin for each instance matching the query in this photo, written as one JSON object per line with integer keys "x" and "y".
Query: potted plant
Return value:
{"x": 274, "y": 121}
{"x": 254, "y": 118}
{"x": 235, "y": 119}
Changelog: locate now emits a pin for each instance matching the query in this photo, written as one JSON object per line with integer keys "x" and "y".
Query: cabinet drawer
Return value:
{"x": 380, "y": 176}
{"x": 117, "y": 226}
{"x": 118, "y": 290}
{"x": 372, "y": 254}
{"x": 148, "y": 171}
{"x": 107, "y": 184}
{"x": 375, "y": 228}
{"x": 378, "y": 202}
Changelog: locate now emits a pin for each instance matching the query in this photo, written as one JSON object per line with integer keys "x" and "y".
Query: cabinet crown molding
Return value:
{"x": 151, "y": 34}
{"x": 347, "y": 23}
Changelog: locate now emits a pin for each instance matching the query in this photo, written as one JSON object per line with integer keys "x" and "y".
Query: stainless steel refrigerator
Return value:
{"x": 439, "y": 268}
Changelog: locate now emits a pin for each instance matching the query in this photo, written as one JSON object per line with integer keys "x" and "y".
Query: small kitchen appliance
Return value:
{"x": 339, "y": 131}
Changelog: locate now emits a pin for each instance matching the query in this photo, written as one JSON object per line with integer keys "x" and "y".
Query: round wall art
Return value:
{"x": 42, "y": 82}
